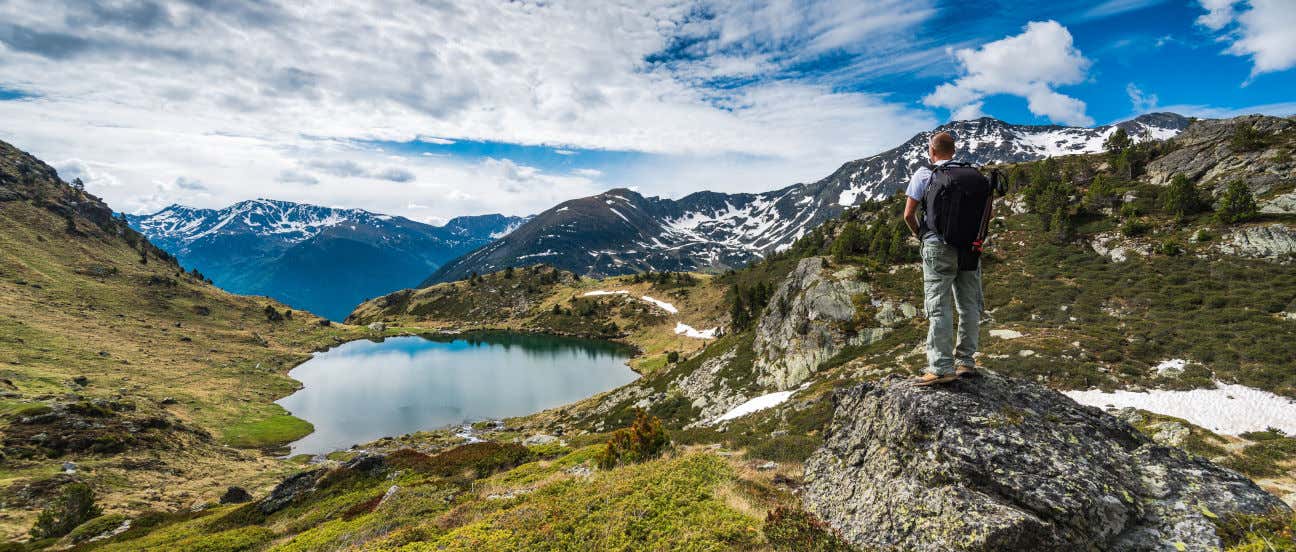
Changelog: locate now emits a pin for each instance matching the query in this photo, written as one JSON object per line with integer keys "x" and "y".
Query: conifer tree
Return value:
{"x": 1182, "y": 197}
{"x": 1237, "y": 204}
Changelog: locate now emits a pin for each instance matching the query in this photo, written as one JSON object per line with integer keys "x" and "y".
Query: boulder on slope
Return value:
{"x": 1003, "y": 464}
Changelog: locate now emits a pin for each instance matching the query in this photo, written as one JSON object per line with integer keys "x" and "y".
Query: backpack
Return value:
{"x": 954, "y": 208}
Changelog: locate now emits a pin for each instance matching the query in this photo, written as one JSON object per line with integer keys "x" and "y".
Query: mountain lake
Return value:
{"x": 364, "y": 390}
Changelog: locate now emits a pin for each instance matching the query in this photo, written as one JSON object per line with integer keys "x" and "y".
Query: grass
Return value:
{"x": 258, "y": 431}
{"x": 83, "y": 305}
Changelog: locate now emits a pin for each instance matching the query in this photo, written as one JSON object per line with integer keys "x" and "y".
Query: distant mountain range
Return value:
{"x": 620, "y": 231}
{"x": 320, "y": 259}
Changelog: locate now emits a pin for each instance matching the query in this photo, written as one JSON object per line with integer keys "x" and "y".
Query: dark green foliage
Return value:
{"x": 76, "y": 505}
{"x": 747, "y": 303}
{"x": 272, "y": 314}
{"x": 1118, "y": 142}
{"x": 849, "y": 242}
{"x": 785, "y": 448}
{"x": 1264, "y": 458}
{"x": 796, "y": 530}
{"x": 1237, "y": 204}
{"x": 1134, "y": 227}
{"x": 1247, "y": 138}
{"x": 672, "y": 357}
{"x": 1061, "y": 227}
{"x": 643, "y": 440}
{"x": 1101, "y": 194}
{"x": 1182, "y": 198}
{"x": 508, "y": 273}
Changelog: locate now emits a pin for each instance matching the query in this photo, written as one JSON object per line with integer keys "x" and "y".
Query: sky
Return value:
{"x": 432, "y": 109}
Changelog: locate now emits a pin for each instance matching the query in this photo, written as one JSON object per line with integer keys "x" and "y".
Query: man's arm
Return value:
{"x": 911, "y": 216}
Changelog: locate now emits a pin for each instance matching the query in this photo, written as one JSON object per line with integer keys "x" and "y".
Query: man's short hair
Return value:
{"x": 943, "y": 144}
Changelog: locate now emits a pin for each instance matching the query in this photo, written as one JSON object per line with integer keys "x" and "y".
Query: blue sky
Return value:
{"x": 442, "y": 108}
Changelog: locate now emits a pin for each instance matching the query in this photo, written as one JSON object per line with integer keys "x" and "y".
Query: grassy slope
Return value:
{"x": 83, "y": 305}
{"x": 497, "y": 302}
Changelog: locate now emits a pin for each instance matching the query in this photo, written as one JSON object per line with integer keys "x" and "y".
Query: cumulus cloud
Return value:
{"x": 1030, "y": 65}
{"x": 1262, "y": 32}
{"x": 1142, "y": 102}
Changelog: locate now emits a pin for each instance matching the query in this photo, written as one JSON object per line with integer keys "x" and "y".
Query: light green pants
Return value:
{"x": 943, "y": 286}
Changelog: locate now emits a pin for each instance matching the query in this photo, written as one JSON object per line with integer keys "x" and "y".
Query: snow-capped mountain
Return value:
{"x": 321, "y": 259}
{"x": 621, "y": 232}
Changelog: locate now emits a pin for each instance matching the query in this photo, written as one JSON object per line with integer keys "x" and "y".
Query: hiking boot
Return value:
{"x": 933, "y": 379}
{"x": 966, "y": 372}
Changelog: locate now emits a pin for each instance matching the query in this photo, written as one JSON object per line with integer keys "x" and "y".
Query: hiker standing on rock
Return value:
{"x": 948, "y": 208}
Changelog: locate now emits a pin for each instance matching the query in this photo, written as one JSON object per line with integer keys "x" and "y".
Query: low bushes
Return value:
{"x": 644, "y": 439}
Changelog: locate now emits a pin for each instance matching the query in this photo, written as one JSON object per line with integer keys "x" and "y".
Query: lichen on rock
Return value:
{"x": 811, "y": 317}
{"x": 1004, "y": 464}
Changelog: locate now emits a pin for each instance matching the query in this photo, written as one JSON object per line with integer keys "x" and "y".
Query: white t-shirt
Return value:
{"x": 917, "y": 188}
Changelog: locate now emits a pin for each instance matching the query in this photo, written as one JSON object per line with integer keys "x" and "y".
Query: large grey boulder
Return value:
{"x": 1004, "y": 464}
{"x": 813, "y": 314}
{"x": 1272, "y": 242}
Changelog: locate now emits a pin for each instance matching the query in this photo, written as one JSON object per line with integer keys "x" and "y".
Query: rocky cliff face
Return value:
{"x": 814, "y": 314}
{"x": 1208, "y": 153}
{"x": 1003, "y": 464}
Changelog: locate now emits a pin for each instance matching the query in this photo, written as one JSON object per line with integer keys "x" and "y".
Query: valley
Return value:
{"x": 1133, "y": 269}
{"x": 318, "y": 259}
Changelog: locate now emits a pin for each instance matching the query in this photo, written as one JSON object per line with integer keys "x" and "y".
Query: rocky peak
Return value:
{"x": 1004, "y": 464}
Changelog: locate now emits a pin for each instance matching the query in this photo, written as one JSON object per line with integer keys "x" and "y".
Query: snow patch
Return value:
{"x": 757, "y": 404}
{"x": 598, "y": 292}
{"x": 664, "y": 305}
{"x": 1229, "y": 408}
{"x": 689, "y": 331}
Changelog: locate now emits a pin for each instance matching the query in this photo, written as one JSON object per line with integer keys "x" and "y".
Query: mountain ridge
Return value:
{"x": 715, "y": 231}
{"x": 321, "y": 259}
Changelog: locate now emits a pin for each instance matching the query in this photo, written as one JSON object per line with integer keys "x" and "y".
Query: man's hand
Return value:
{"x": 911, "y": 216}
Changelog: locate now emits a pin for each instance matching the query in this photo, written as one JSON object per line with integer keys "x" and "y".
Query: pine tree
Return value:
{"x": 1118, "y": 142}
{"x": 1060, "y": 226}
{"x": 1181, "y": 197}
{"x": 1237, "y": 204}
{"x": 896, "y": 253}
{"x": 78, "y": 185}
{"x": 508, "y": 273}
{"x": 738, "y": 313}
{"x": 848, "y": 243}
{"x": 1101, "y": 193}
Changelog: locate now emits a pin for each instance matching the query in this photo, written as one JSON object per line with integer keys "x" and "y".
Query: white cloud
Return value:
{"x": 564, "y": 152}
{"x": 1116, "y": 7}
{"x": 1029, "y": 65}
{"x": 1141, "y": 102}
{"x": 260, "y": 99}
{"x": 1285, "y": 109}
{"x": 968, "y": 112}
{"x": 591, "y": 173}
{"x": 1263, "y": 32}
{"x": 96, "y": 180}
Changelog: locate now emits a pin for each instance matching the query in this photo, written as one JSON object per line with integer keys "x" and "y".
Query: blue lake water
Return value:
{"x": 363, "y": 390}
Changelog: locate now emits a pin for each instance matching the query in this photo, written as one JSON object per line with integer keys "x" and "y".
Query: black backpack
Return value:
{"x": 954, "y": 207}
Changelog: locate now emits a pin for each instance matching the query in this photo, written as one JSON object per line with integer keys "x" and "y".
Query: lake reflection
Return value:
{"x": 364, "y": 390}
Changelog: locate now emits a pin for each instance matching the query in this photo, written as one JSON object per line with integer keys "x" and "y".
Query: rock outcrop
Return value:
{"x": 812, "y": 316}
{"x": 1207, "y": 153}
{"x": 1273, "y": 242}
{"x": 1003, "y": 464}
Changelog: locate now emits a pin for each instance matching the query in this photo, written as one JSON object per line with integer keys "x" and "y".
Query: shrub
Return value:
{"x": 1237, "y": 204}
{"x": 794, "y": 529}
{"x": 643, "y": 440}
{"x": 1170, "y": 248}
{"x": 672, "y": 357}
{"x": 75, "y": 506}
{"x": 96, "y": 527}
{"x": 1118, "y": 142}
{"x": 1272, "y": 532}
{"x": 272, "y": 314}
{"x": 1134, "y": 227}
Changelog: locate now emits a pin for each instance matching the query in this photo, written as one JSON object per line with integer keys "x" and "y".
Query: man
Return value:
{"x": 942, "y": 278}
